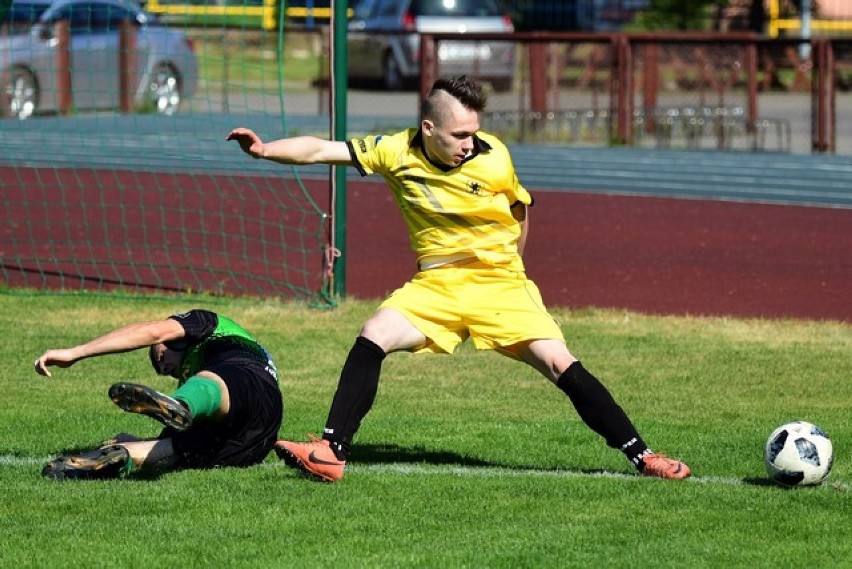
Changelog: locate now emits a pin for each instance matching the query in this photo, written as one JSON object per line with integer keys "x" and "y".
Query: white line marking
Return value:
{"x": 13, "y": 460}
{"x": 503, "y": 472}
{"x": 498, "y": 472}
{"x": 476, "y": 471}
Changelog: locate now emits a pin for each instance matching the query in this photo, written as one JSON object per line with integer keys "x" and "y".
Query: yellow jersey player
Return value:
{"x": 467, "y": 217}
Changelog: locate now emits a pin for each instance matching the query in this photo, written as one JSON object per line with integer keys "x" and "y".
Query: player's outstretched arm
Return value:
{"x": 296, "y": 150}
{"x": 124, "y": 339}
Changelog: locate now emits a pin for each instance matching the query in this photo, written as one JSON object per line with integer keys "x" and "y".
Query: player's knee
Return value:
{"x": 561, "y": 362}
{"x": 377, "y": 332}
{"x": 373, "y": 331}
{"x": 550, "y": 357}
{"x": 391, "y": 331}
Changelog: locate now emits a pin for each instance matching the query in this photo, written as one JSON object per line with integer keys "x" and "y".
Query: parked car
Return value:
{"x": 384, "y": 43}
{"x": 166, "y": 65}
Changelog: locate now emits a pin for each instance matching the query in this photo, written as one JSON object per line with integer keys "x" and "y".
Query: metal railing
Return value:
{"x": 695, "y": 89}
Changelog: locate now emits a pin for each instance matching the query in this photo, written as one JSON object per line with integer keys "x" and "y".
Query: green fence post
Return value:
{"x": 339, "y": 127}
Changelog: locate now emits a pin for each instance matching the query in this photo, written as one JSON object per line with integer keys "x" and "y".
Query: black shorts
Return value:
{"x": 246, "y": 435}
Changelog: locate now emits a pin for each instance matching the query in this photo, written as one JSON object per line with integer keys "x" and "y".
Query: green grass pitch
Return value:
{"x": 465, "y": 461}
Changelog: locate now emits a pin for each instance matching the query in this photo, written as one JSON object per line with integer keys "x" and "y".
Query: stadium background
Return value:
{"x": 744, "y": 220}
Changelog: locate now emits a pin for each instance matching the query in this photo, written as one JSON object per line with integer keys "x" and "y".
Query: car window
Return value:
{"x": 22, "y": 15}
{"x": 456, "y": 8}
{"x": 80, "y": 18}
{"x": 387, "y": 8}
{"x": 108, "y": 18}
{"x": 25, "y": 12}
{"x": 364, "y": 9}
{"x": 93, "y": 18}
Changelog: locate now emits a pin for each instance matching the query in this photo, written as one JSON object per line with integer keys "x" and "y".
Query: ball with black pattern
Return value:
{"x": 798, "y": 453}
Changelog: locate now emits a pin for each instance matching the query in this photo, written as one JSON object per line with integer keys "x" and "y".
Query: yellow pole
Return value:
{"x": 269, "y": 21}
{"x": 774, "y": 13}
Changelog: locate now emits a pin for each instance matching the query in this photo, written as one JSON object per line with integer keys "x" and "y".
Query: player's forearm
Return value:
{"x": 305, "y": 150}
{"x": 130, "y": 337}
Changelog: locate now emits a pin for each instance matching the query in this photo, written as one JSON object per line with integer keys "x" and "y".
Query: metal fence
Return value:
{"x": 736, "y": 91}
{"x": 714, "y": 91}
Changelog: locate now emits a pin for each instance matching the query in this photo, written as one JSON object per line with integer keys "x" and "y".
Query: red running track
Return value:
{"x": 652, "y": 255}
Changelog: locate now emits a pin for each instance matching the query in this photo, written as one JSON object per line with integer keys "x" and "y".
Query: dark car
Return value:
{"x": 384, "y": 41}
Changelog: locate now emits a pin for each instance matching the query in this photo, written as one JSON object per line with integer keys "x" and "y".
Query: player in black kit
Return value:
{"x": 226, "y": 411}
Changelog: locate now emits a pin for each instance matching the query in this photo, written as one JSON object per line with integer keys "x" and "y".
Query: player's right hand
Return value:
{"x": 61, "y": 358}
{"x": 249, "y": 141}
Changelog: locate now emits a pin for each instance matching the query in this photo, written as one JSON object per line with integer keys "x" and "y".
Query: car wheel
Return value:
{"x": 19, "y": 94}
{"x": 391, "y": 75}
{"x": 165, "y": 89}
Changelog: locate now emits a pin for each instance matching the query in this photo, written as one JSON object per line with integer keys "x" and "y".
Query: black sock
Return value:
{"x": 601, "y": 413}
{"x": 356, "y": 391}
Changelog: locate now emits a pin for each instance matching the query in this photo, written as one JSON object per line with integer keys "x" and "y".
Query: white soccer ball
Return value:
{"x": 798, "y": 454}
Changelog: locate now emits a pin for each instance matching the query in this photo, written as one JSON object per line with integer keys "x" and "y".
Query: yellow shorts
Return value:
{"x": 495, "y": 307}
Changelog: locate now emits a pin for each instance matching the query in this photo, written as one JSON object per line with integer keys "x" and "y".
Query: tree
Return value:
{"x": 678, "y": 14}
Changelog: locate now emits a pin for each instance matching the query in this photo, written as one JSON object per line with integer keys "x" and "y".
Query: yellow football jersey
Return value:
{"x": 450, "y": 212}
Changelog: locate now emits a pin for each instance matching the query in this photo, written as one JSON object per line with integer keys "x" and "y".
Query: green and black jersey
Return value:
{"x": 212, "y": 339}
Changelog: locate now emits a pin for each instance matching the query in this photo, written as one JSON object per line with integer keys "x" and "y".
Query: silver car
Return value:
{"x": 384, "y": 43}
{"x": 166, "y": 65}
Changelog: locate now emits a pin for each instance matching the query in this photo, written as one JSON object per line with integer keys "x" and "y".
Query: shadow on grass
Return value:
{"x": 762, "y": 482}
{"x": 394, "y": 454}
